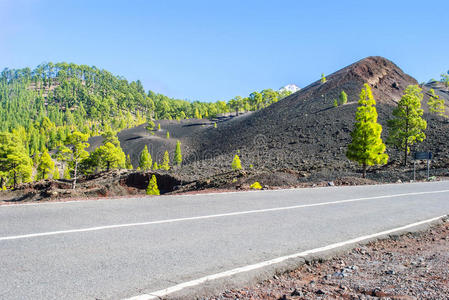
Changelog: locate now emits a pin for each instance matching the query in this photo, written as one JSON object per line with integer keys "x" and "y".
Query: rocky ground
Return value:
{"x": 411, "y": 266}
{"x": 122, "y": 183}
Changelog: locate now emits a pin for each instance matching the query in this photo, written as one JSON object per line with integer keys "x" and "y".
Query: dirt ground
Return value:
{"x": 410, "y": 266}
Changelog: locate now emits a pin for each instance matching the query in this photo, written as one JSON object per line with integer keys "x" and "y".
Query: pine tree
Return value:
{"x": 152, "y": 188}
{"x": 14, "y": 160}
{"x": 155, "y": 166}
{"x": 407, "y": 127}
{"x": 165, "y": 162}
{"x": 343, "y": 98}
{"x": 335, "y": 103}
{"x": 197, "y": 114}
{"x": 323, "y": 79}
{"x": 78, "y": 143}
{"x": 129, "y": 165}
{"x": 367, "y": 147}
{"x": 56, "y": 173}
{"x": 436, "y": 105}
{"x": 445, "y": 79}
{"x": 236, "y": 164}
{"x": 63, "y": 155}
{"x": 159, "y": 127}
{"x": 178, "y": 155}
{"x": 145, "y": 160}
{"x": 151, "y": 125}
{"x": 168, "y": 135}
{"x": 109, "y": 156}
{"x": 45, "y": 166}
{"x": 66, "y": 173}
{"x": 110, "y": 137}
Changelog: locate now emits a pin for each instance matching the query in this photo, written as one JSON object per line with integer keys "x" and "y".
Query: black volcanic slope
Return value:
{"x": 303, "y": 133}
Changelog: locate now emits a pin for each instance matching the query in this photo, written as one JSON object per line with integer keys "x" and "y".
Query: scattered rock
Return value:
{"x": 362, "y": 273}
{"x": 320, "y": 292}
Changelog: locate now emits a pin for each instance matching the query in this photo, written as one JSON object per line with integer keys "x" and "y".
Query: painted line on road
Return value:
{"x": 176, "y": 288}
{"x": 33, "y": 235}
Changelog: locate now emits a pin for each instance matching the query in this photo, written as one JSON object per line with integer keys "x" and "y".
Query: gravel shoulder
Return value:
{"x": 410, "y": 266}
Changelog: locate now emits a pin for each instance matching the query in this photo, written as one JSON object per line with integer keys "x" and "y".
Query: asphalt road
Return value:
{"x": 117, "y": 248}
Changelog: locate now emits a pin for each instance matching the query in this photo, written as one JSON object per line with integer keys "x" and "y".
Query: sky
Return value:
{"x": 215, "y": 50}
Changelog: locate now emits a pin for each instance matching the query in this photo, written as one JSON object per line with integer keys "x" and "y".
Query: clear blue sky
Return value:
{"x": 215, "y": 50}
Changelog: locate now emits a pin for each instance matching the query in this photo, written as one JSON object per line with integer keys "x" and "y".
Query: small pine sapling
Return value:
{"x": 236, "y": 164}
{"x": 256, "y": 186}
{"x": 152, "y": 188}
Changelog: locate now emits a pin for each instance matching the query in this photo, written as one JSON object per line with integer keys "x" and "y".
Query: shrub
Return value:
{"x": 256, "y": 186}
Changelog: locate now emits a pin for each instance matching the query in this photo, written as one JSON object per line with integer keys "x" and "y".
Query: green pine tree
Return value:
{"x": 14, "y": 160}
{"x": 152, "y": 188}
{"x": 151, "y": 125}
{"x": 78, "y": 143}
{"x": 436, "y": 105}
{"x": 335, "y": 103}
{"x": 168, "y": 135}
{"x": 236, "y": 164}
{"x": 165, "y": 162}
{"x": 445, "y": 79}
{"x": 129, "y": 165}
{"x": 45, "y": 166}
{"x": 155, "y": 166}
{"x": 343, "y": 98}
{"x": 323, "y": 79}
{"x": 109, "y": 156}
{"x": 56, "y": 173}
{"x": 66, "y": 173}
{"x": 145, "y": 160}
{"x": 178, "y": 155}
{"x": 407, "y": 127}
{"x": 367, "y": 147}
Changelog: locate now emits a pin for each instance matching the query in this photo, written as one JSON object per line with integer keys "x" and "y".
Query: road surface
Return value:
{"x": 115, "y": 249}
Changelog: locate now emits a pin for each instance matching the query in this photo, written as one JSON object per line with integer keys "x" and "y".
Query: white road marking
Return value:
{"x": 32, "y": 235}
{"x": 176, "y": 288}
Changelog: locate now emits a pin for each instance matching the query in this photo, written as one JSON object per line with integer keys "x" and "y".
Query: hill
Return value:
{"x": 305, "y": 133}
{"x": 303, "y": 137}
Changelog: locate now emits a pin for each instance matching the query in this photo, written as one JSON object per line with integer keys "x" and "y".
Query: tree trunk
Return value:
{"x": 236, "y": 112}
{"x": 74, "y": 174}
{"x": 15, "y": 180}
{"x": 364, "y": 171}
{"x": 405, "y": 155}
{"x": 406, "y": 138}
{"x": 107, "y": 166}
